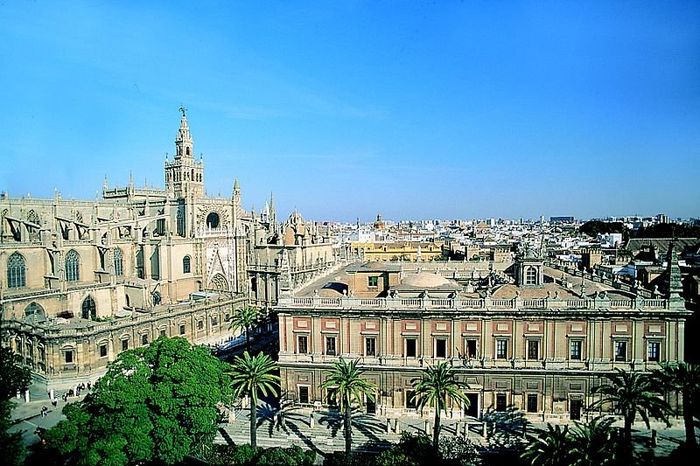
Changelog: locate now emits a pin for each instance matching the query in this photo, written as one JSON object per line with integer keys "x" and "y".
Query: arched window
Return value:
{"x": 34, "y": 309}
{"x": 180, "y": 222}
{"x": 213, "y": 220}
{"x": 187, "y": 151}
{"x": 16, "y": 272}
{"x": 72, "y": 266}
{"x": 186, "y": 264}
{"x": 531, "y": 276}
{"x": 89, "y": 310}
{"x": 118, "y": 262}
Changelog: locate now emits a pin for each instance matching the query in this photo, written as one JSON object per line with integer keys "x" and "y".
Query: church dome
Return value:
{"x": 425, "y": 280}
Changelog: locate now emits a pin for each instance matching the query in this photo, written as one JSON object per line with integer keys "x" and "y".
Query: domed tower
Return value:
{"x": 184, "y": 176}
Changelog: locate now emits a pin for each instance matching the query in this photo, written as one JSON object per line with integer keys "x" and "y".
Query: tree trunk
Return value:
{"x": 253, "y": 421}
{"x": 628, "y": 431}
{"x": 690, "y": 439}
{"x": 348, "y": 429}
{"x": 247, "y": 340}
{"x": 436, "y": 428}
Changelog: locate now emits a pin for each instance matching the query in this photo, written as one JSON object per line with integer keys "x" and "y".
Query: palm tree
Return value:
{"x": 348, "y": 385}
{"x": 594, "y": 443}
{"x": 551, "y": 448}
{"x": 685, "y": 378}
{"x": 250, "y": 375}
{"x": 244, "y": 319}
{"x": 437, "y": 383}
{"x": 631, "y": 393}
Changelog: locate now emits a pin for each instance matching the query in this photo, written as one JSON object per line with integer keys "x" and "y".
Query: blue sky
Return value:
{"x": 346, "y": 109}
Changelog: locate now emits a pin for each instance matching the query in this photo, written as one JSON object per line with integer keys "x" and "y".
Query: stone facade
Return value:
{"x": 81, "y": 278}
{"x": 535, "y": 343}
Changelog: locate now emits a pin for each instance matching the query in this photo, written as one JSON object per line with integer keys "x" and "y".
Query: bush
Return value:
{"x": 245, "y": 455}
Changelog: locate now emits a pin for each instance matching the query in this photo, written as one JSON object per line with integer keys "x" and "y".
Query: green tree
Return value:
{"x": 14, "y": 377}
{"x": 551, "y": 448}
{"x": 251, "y": 375}
{"x": 631, "y": 393}
{"x": 345, "y": 379}
{"x": 436, "y": 384}
{"x": 156, "y": 403}
{"x": 684, "y": 378}
{"x": 245, "y": 319}
{"x": 593, "y": 443}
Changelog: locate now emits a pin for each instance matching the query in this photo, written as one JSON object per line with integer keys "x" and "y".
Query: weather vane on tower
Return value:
{"x": 183, "y": 110}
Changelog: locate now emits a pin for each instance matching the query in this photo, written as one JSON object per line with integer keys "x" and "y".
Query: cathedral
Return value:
{"x": 84, "y": 280}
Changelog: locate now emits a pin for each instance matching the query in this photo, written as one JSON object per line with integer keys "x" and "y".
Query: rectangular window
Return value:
{"x": 411, "y": 347}
{"x": 144, "y": 339}
{"x": 372, "y": 282}
{"x": 214, "y": 321}
{"x": 620, "y": 350}
{"x": 533, "y": 349}
{"x": 330, "y": 346}
{"x": 470, "y": 348}
{"x": 303, "y": 394}
{"x": 501, "y": 402}
{"x": 532, "y": 402}
{"x": 653, "y": 351}
{"x": 440, "y": 348}
{"x": 332, "y": 397}
{"x": 69, "y": 357}
{"x": 370, "y": 346}
{"x": 125, "y": 345}
{"x": 411, "y": 399}
{"x": 302, "y": 344}
{"x": 162, "y": 332}
{"x": 575, "y": 350}
{"x": 103, "y": 351}
{"x": 200, "y": 324}
{"x": 501, "y": 348}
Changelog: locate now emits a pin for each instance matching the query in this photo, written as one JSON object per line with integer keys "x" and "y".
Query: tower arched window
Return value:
{"x": 531, "y": 276}
{"x": 89, "y": 309}
{"x": 118, "y": 262}
{"x": 72, "y": 266}
{"x": 16, "y": 271}
{"x": 188, "y": 151}
{"x": 186, "y": 265}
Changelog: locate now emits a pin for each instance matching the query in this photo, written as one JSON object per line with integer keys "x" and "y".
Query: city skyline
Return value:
{"x": 353, "y": 109}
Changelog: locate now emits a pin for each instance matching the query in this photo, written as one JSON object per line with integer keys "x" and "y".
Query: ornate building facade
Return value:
{"x": 84, "y": 280}
{"x": 531, "y": 336}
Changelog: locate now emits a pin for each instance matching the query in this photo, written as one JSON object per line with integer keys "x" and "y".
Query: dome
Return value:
{"x": 426, "y": 280}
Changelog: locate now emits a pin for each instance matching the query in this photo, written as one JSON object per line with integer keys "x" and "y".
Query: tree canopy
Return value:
{"x": 157, "y": 403}
{"x": 14, "y": 377}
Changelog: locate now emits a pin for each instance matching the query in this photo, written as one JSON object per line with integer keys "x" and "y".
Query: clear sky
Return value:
{"x": 413, "y": 109}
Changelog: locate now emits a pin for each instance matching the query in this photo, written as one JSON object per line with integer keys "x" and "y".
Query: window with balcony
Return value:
{"x": 620, "y": 350}
{"x": 440, "y": 347}
{"x": 302, "y": 344}
{"x": 411, "y": 348}
{"x": 575, "y": 347}
{"x": 330, "y": 346}
{"x": 533, "y": 349}
{"x": 372, "y": 282}
{"x": 470, "y": 348}
{"x": 370, "y": 346}
{"x": 501, "y": 348}
{"x": 653, "y": 351}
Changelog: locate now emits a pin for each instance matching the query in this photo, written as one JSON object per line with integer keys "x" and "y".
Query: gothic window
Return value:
{"x": 118, "y": 262}
{"x": 72, "y": 266}
{"x": 16, "y": 271}
{"x": 219, "y": 282}
{"x": 89, "y": 310}
{"x": 34, "y": 309}
{"x": 213, "y": 220}
{"x": 531, "y": 276}
{"x": 186, "y": 264}
{"x": 180, "y": 222}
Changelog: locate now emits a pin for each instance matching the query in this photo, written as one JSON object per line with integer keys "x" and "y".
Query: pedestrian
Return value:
{"x": 54, "y": 402}
{"x": 89, "y": 385}
{"x": 43, "y": 411}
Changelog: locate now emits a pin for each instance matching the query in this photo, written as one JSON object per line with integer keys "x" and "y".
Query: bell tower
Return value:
{"x": 184, "y": 176}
